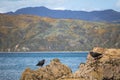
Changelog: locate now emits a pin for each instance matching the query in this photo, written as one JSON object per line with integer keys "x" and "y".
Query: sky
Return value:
{"x": 84, "y": 5}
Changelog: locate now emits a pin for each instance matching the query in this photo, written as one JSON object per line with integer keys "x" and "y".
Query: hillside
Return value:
{"x": 105, "y": 15}
{"x": 34, "y": 33}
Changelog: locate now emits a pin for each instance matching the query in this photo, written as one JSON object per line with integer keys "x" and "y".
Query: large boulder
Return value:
{"x": 105, "y": 68}
{"x": 53, "y": 71}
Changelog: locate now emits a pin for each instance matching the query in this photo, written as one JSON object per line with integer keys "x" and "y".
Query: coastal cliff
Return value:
{"x": 105, "y": 68}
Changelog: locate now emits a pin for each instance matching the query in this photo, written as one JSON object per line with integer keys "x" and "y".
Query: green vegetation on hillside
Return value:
{"x": 33, "y": 33}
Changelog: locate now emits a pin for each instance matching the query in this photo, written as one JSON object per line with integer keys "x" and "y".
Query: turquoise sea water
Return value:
{"x": 12, "y": 65}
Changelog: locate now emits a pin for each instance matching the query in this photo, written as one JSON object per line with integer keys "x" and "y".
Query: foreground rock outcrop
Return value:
{"x": 53, "y": 71}
{"x": 105, "y": 68}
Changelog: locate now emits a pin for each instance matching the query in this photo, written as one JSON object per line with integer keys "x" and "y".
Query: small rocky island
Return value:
{"x": 107, "y": 67}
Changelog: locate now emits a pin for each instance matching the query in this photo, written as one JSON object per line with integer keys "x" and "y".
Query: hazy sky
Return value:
{"x": 85, "y": 5}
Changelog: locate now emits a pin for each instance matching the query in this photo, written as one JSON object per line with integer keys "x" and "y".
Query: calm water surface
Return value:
{"x": 12, "y": 65}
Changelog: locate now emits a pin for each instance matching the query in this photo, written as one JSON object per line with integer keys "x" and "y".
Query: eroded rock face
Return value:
{"x": 53, "y": 71}
{"x": 105, "y": 68}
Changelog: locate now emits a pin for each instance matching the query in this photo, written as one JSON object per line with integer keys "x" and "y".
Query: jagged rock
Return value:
{"x": 105, "y": 68}
{"x": 53, "y": 71}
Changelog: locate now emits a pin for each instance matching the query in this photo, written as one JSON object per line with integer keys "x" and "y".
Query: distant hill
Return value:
{"x": 105, "y": 15}
{"x": 34, "y": 33}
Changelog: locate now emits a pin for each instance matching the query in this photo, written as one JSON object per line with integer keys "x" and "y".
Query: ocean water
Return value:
{"x": 12, "y": 65}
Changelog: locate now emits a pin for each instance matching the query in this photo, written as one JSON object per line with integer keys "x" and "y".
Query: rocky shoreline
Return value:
{"x": 105, "y": 68}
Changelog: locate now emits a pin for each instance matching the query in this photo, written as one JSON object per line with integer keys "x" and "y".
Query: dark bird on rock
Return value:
{"x": 96, "y": 55}
{"x": 41, "y": 63}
